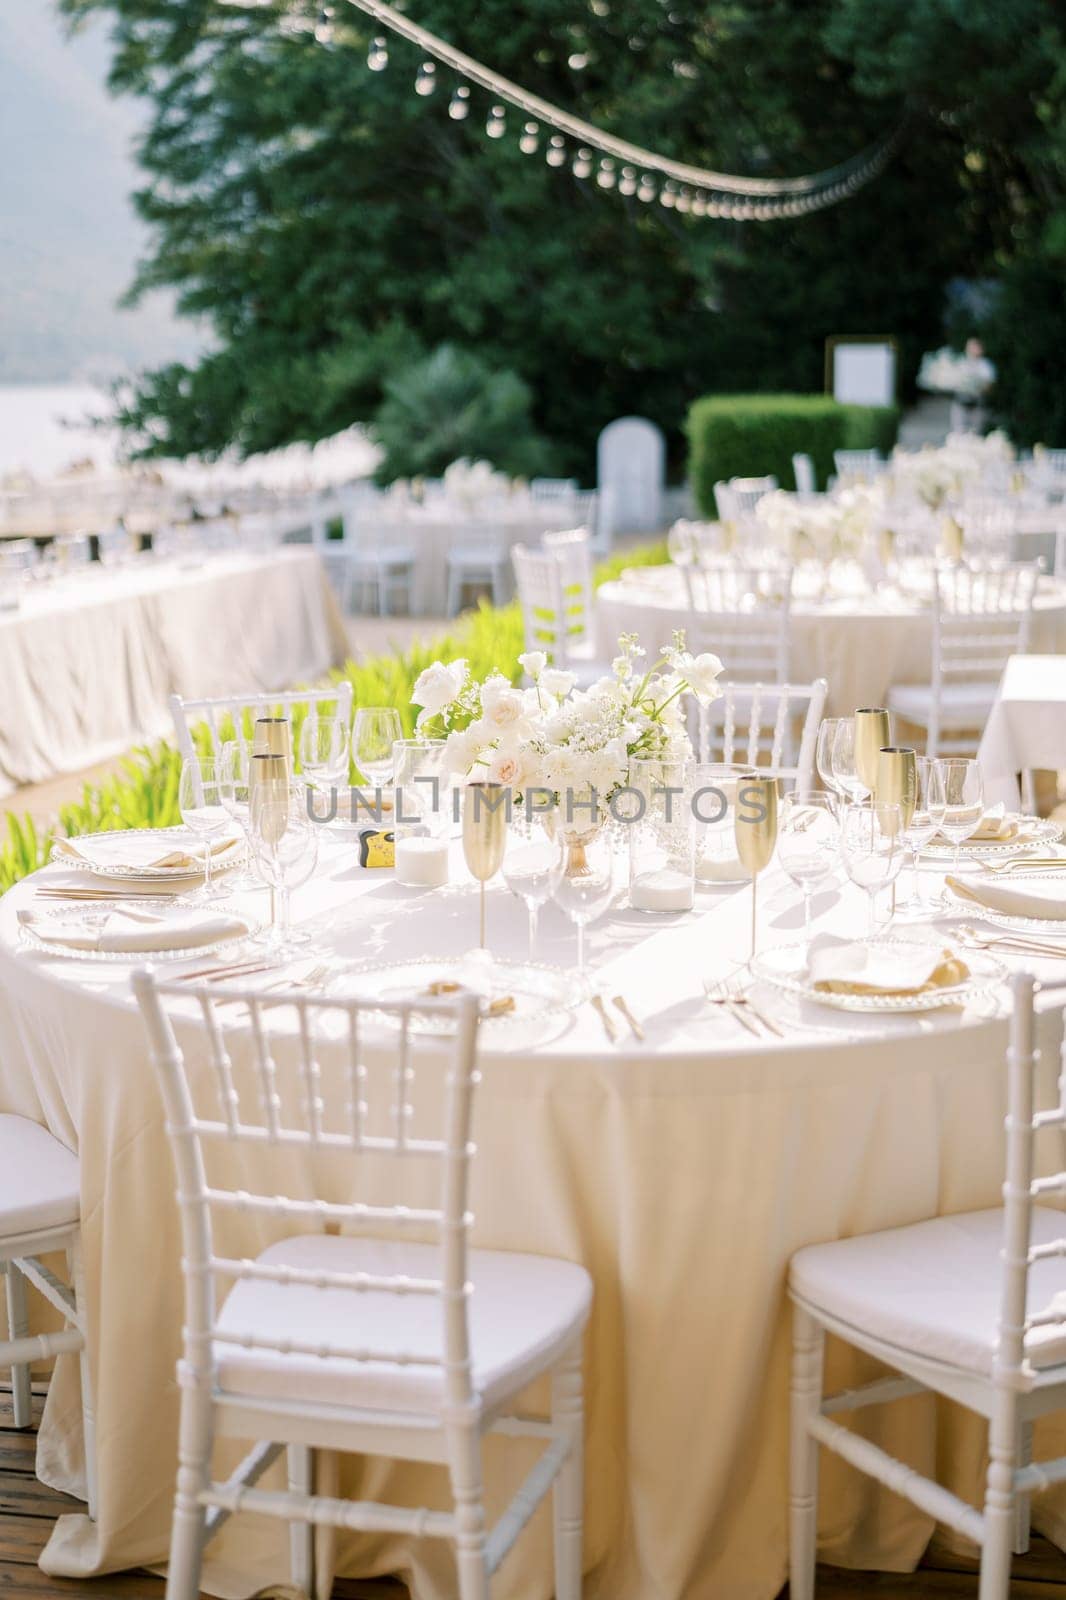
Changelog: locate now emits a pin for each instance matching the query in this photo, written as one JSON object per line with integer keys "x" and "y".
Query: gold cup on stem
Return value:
{"x": 871, "y": 736}
{"x": 755, "y": 824}
{"x": 896, "y": 784}
{"x": 484, "y": 834}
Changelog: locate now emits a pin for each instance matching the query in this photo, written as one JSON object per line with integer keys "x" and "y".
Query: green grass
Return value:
{"x": 144, "y": 792}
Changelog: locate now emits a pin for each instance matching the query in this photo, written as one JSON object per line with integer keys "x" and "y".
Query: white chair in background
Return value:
{"x": 242, "y": 710}
{"x": 743, "y": 612}
{"x": 572, "y": 548}
{"x": 859, "y": 464}
{"x": 40, "y": 1212}
{"x": 970, "y": 1306}
{"x": 803, "y": 472}
{"x": 553, "y": 488}
{"x": 765, "y": 724}
{"x": 981, "y": 618}
{"x": 477, "y": 558}
{"x": 555, "y": 622}
{"x": 347, "y": 1335}
{"x": 372, "y": 557}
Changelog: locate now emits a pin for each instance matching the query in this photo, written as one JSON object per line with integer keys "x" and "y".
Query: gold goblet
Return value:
{"x": 871, "y": 735}
{"x": 484, "y": 834}
{"x": 755, "y": 825}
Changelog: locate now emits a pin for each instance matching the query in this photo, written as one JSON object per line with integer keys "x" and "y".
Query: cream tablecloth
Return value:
{"x": 683, "y": 1173}
{"x": 1026, "y": 727}
{"x": 87, "y": 665}
{"x": 862, "y": 647}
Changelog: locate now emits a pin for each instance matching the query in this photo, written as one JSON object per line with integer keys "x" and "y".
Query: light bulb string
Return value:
{"x": 863, "y": 166}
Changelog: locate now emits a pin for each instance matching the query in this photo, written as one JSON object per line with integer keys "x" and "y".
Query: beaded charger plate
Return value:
{"x": 785, "y": 967}
{"x": 511, "y": 993}
{"x": 1032, "y": 832}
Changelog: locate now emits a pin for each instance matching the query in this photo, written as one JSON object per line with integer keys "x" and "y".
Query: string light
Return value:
{"x": 459, "y": 104}
{"x": 695, "y": 190}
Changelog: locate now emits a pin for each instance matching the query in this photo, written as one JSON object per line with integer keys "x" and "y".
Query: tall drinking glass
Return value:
{"x": 533, "y": 861}
{"x": 484, "y": 836}
{"x": 285, "y": 852}
{"x": 808, "y": 841}
{"x": 324, "y": 744}
{"x": 871, "y": 846}
{"x": 203, "y": 813}
{"x": 925, "y": 822}
{"x": 235, "y": 790}
{"x": 756, "y": 831}
{"x": 964, "y": 801}
{"x": 845, "y": 768}
{"x": 376, "y": 730}
{"x": 586, "y": 885}
{"x": 823, "y": 756}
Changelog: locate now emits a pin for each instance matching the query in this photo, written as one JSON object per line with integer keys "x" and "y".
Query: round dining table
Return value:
{"x": 862, "y": 641}
{"x": 682, "y": 1170}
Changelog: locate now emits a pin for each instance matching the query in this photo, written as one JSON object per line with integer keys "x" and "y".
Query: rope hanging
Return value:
{"x": 622, "y": 165}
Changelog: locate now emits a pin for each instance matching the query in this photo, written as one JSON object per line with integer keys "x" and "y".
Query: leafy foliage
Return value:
{"x": 746, "y": 435}
{"x": 451, "y": 405}
{"x": 144, "y": 793}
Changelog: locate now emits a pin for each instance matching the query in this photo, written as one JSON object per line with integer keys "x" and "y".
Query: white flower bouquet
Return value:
{"x": 557, "y": 739}
{"x": 824, "y": 529}
{"x": 945, "y": 371}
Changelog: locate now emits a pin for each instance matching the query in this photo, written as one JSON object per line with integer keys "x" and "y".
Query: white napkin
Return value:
{"x": 1044, "y": 897}
{"x": 120, "y": 849}
{"x": 842, "y": 966}
{"x": 118, "y": 931}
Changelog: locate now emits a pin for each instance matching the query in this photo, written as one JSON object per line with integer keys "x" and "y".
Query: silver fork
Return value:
{"x": 719, "y": 995}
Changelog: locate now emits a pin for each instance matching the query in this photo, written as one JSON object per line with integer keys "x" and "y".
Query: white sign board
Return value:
{"x": 630, "y": 462}
{"x": 864, "y": 372}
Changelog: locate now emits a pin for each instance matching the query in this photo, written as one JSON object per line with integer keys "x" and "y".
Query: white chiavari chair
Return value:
{"x": 343, "y": 1330}
{"x": 766, "y": 725}
{"x": 972, "y": 1307}
{"x": 742, "y": 610}
{"x": 40, "y": 1212}
{"x": 241, "y": 710}
{"x": 980, "y": 618}
{"x": 373, "y": 559}
{"x": 478, "y": 557}
{"x": 555, "y": 620}
{"x": 553, "y": 488}
{"x": 858, "y": 465}
{"x": 572, "y": 548}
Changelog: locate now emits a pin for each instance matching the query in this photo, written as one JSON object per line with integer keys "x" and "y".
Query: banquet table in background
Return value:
{"x": 682, "y": 1172}
{"x": 87, "y": 663}
{"x": 1026, "y": 727}
{"x": 862, "y": 643}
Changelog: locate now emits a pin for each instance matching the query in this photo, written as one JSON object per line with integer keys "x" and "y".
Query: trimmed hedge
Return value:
{"x": 748, "y": 435}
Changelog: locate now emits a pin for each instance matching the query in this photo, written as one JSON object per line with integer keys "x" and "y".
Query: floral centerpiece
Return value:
{"x": 830, "y": 528}
{"x": 556, "y": 738}
{"x": 937, "y": 471}
{"x": 469, "y": 483}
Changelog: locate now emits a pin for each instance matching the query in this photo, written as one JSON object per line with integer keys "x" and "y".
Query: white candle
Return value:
{"x": 421, "y": 862}
{"x": 666, "y": 889}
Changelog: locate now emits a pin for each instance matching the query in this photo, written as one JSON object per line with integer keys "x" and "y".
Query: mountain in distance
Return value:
{"x": 69, "y": 239}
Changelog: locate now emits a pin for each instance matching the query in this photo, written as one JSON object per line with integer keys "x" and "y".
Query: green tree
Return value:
{"x": 332, "y": 226}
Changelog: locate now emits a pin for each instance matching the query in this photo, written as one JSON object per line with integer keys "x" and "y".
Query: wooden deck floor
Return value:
{"x": 27, "y": 1511}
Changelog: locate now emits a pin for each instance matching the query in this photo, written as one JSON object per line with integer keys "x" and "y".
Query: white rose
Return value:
{"x": 533, "y": 662}
{"x": 437, "y": 687}
{"x": 461, "y": 749}
{"x": 502, "y": 707}
{"x": 558, "y": 682}
{"x": 508, "y": 767}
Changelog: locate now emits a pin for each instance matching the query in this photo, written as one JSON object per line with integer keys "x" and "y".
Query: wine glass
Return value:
{"x": 203, "y": 813}
{"x": 871, "y": 845}
{"x": 484, "y": 835}
{"x": 586, "y": 885}
{"x": 926, "y": 821}
{"x": 964, "y": 801}
{"x": 324, "y": 742}
{"x": 823, "y": 756}
{"x": 533, "y": 861}
{"x": 808, "y": 838}
{"x": 285, "y": 851}
{"x": 846, "y": 774}
{"x": 235, "y": 792}
{"x": 376, "y": 730}
{"x": 755, "y": 823}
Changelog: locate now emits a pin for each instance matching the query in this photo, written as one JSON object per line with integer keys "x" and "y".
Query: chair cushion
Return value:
{"x": 525, "y": 1311}
{"x": 965, "y": 704}
{"x": 934, "y": 1288}
{"x": 38, "y": 1179}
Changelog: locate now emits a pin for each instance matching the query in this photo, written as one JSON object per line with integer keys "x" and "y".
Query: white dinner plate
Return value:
{"x": 785, "y": 968}
{"x": 538, "y": 991}
{"x": 173, "y": 876}
{"x": 1035, "y": 831}
{"x": 1004, "y": 919}
{"x": 36, "y": 939}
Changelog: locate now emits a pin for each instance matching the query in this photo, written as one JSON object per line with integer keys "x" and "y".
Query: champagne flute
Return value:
{"x": 871, "y": 845}
{"x": 285, "y": 851}
{"x": 755, "y": 821}
{"x": 202, "y": 811}
{"x": 871, "y": 736}
{"x": 533, "y": 862}
{"x": 844, "y": 763}
{"x": 484, "y": 835}
{"x": 823, "y": 756}
{"x": 324, "y": 742}
{"x": 376, "y": 730}
{"x": 925, "y": 822}
{"x": 808, "y": 838}
{"x": 964, "y": 801}
{"x": 586, "y": 885}
{"x": 896, "y": 784}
